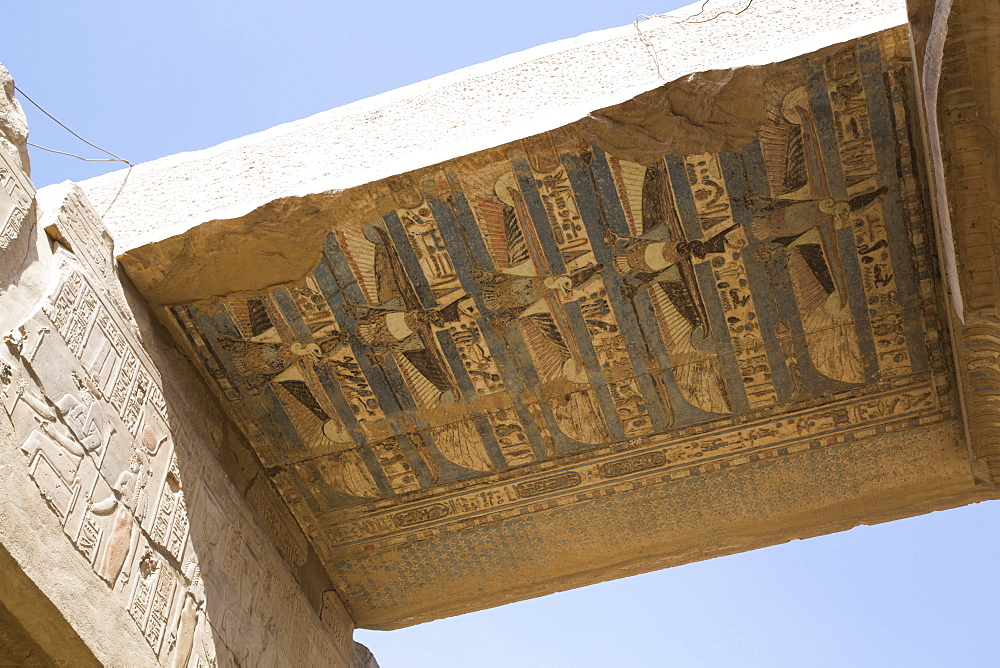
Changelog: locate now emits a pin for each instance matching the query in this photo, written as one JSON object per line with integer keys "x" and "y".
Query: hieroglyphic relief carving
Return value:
{"x": 87, "y": 402}
{"x": 287, "y": 538}
{"x": 677, "y": 457}
{"x": 98, "y": 451}
{"x": 854, "y": 136}
{"x": 78, "y": 227}
{"x": 963, "y": 111}
{"x": 16, "y": 195}
{"x": 516, "y": 311}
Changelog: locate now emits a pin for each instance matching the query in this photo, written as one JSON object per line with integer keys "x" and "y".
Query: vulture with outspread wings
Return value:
{"x": 395, "y": 321}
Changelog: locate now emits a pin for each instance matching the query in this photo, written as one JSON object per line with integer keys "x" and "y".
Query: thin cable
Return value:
{"x": 66, "y": 128}
{"x": 74, "y": 155}
{"x": 113, "y": 158}
{"x": 649, "y": 45}
{"x": 700, "y": 11}
{"x": 725, "y": 11}
{"x": 120, "y": 189}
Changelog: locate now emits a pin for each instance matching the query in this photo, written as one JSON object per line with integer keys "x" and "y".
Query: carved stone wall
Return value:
{"x": 16, "y": 211}
{"x": 13, "y": 124}
{"x": 125, "y": 493}
{"x": 958, "y": 51}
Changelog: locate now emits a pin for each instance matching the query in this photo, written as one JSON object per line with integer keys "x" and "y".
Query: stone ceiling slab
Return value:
{"x": 696, "y": 322}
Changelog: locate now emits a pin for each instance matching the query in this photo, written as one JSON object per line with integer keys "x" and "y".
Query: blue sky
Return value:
{"x": 148, "y": 80}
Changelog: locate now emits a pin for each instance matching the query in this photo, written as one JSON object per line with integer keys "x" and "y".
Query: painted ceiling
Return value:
{"x": 477, "y": 331}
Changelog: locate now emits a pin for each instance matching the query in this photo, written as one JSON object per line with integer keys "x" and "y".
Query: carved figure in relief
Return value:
{"x": 509, "y": 295}
{"x": 51, "y": 444}
{"x": 119, "y": 538}
{"x": 395, "y": 321}
{"x": 406, "y": 333}
{"x": 184, "y": 639}
{"x": 658, "y": 258}
{"x": 86, "y": 418}
{"x": 131, "y": 486}
{"x": 128, "y": 502}
{"x": 522, "y": 277}
{"x": 657, "y": 242}
{"x": 142, "y": 594}
{"x": 461, "y": 443}
{"x": 265, "y": 354}
{"x": 642, "y": 192}
{"x": 523, "y": 289}
{"x": 802, "y": 218}
{"x": 268, "y": 357}
{"x": 310, "y": 410}
{"x": 347, "y": 473}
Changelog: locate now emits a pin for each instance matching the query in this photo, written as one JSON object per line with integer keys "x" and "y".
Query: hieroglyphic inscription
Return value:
{"x": 86, "y": 402}
{"x": 290, "y": 544}
{"x": 16, "y": 194}
{"x": 545, "y": 485}
{"x": 544, "y": 321}
{"x": 857, "y": 149}
{"x": 420, "y": 515}
{"x": 622, "y": 467}
{"x": 681, "y": 456}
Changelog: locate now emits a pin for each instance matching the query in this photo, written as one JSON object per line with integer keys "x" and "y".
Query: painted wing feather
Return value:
{"x": 424, "y": 391}
{"x": 260, "y": 319}
{"x": 347, "y": 472}
{"x": 629, "y": 179}
{"x": 387, "y": 271}
{"x": 517, "y": 246}
{"x": 545, "y": 342}
{"x": 698, "y": 373}
{"x": 431, "y": 366}
{"x": 461, "y": 443}
{"x": 654, "y": 205}
{"x": 492, "y": 224}
{"x": 360, "y": 254}
{"x": 830, "y": 334}
{"x": 300, "y": 390}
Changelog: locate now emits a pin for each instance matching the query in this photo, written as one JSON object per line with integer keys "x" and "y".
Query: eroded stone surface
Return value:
{"x": 470, "y": 110}
{"x": 13, "y": 123}
{"x": 961, "y": 106}
{"x": 16, "y": 213}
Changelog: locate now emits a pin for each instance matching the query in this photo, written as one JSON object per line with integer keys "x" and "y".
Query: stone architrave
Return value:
{"x": 704, "y": 318}
{"x": 585, "y": 323}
